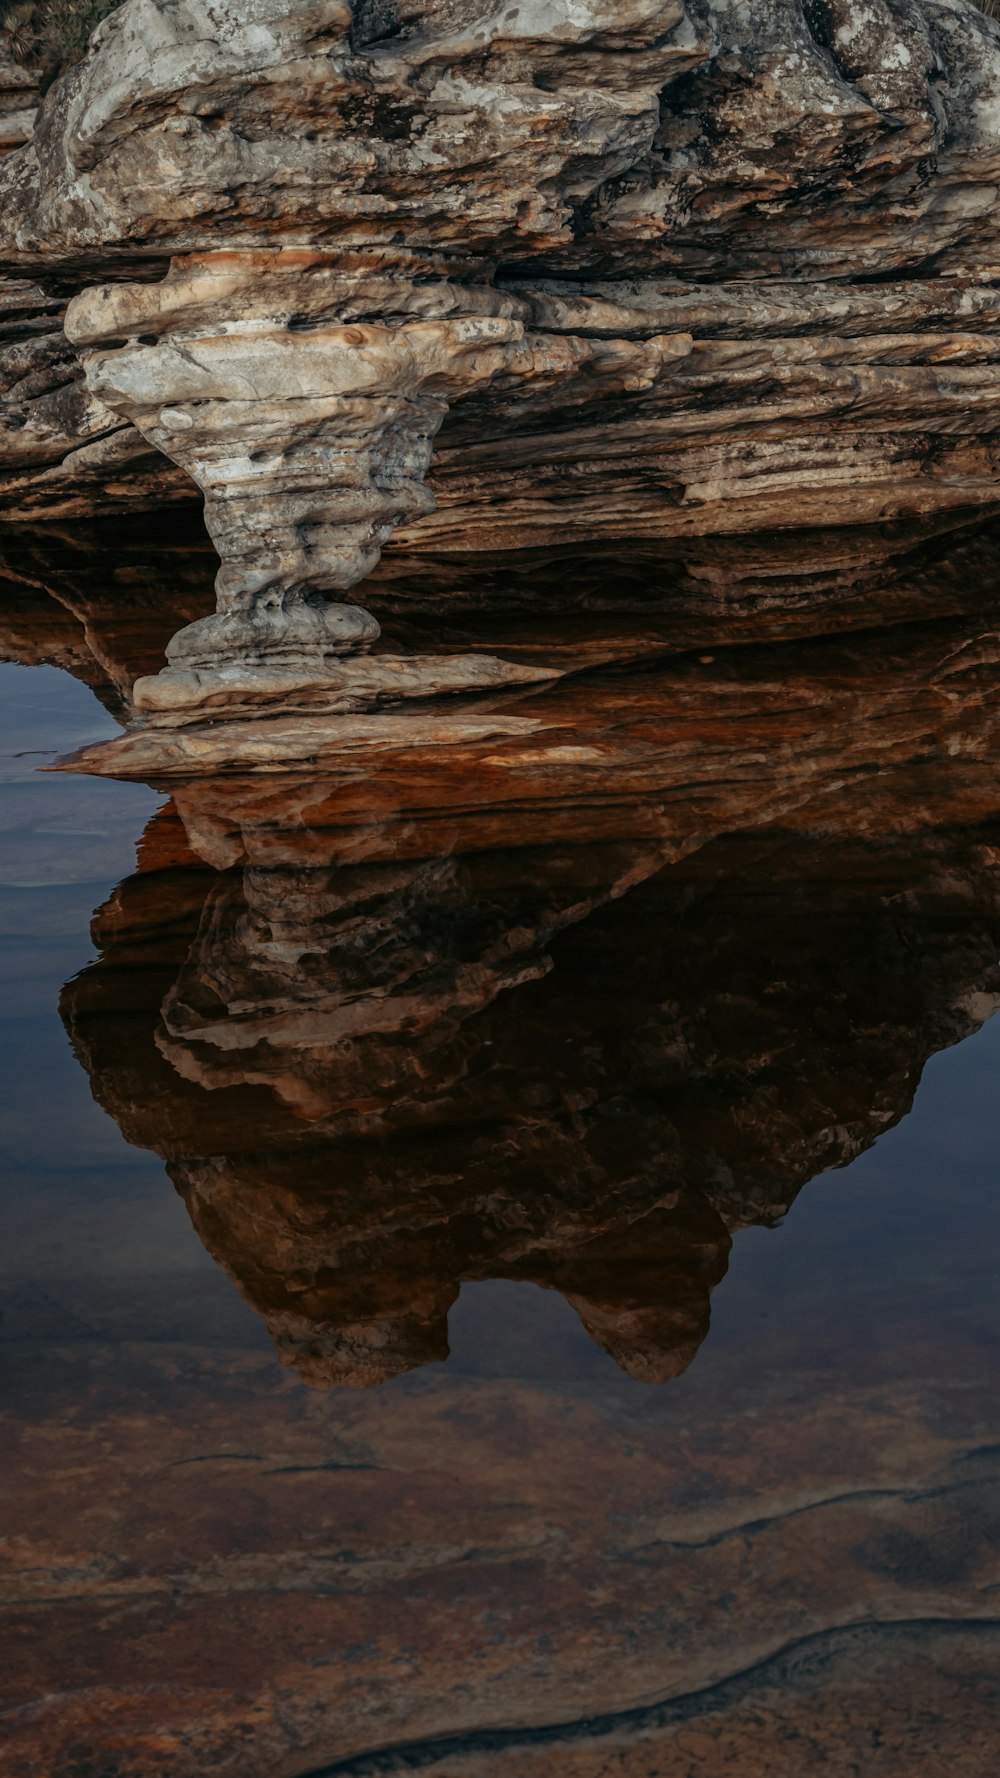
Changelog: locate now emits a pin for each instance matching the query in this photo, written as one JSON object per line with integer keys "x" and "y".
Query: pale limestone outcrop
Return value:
{"x": 252, "y": 350}
{"x": 519, "y": 277}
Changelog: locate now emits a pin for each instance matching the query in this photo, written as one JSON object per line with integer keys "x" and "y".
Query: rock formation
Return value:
{"x": 595, "y": 736}
{"x": 568, "y": 1006}
{"x": 63, "y": 452}
{"x": 515, "y": 278}
{"x": 370, "y": 1084}
{"x": 546, "y": 1008}
{"x": 101, "y": 598}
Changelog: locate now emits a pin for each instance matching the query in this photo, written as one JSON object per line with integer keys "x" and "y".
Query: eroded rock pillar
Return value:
{"x": 309, "y": 429}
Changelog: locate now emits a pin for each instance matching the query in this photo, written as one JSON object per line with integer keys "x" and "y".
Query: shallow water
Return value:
{"x": 621, "y": 1205}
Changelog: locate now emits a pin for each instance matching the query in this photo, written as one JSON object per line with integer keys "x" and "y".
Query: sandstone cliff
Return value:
{"x": 497, "y": 278}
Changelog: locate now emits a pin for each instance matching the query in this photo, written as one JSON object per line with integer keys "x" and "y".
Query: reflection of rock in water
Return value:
{"x": 372, "y": 1083}
{"x": 564, "y": 1009}
{"x": 401, "y": 1147}
{"x": 101, "y": 600}
{"x": 374, "y": 1073}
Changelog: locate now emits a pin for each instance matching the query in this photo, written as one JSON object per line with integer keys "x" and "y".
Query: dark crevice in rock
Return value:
{"x": 809, "y": 1654}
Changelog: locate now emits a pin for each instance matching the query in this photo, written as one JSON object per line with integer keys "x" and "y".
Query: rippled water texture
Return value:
{"x": 500, "y": 1252}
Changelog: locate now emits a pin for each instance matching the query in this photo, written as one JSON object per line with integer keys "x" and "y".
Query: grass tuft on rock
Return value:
{"x": 49, "y": 36}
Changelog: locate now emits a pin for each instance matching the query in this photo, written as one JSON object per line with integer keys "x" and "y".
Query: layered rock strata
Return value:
{"x": 370, "y": 1083}
{"x": 101, "y": 598}
{"x": 789, "y": 721}
{"x": 63, "y": 452}
{"x": 633, "y": 270}
{"x": 319, "y": 996}
{"x": 398, "y": 1030}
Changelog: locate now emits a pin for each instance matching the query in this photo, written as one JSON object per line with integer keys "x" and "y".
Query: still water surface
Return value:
{"x": 637, "y": 1405}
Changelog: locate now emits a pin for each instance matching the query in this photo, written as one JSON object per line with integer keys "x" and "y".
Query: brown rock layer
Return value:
{"x": 339, "y": 976}
{"x": 642, "y": 272}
